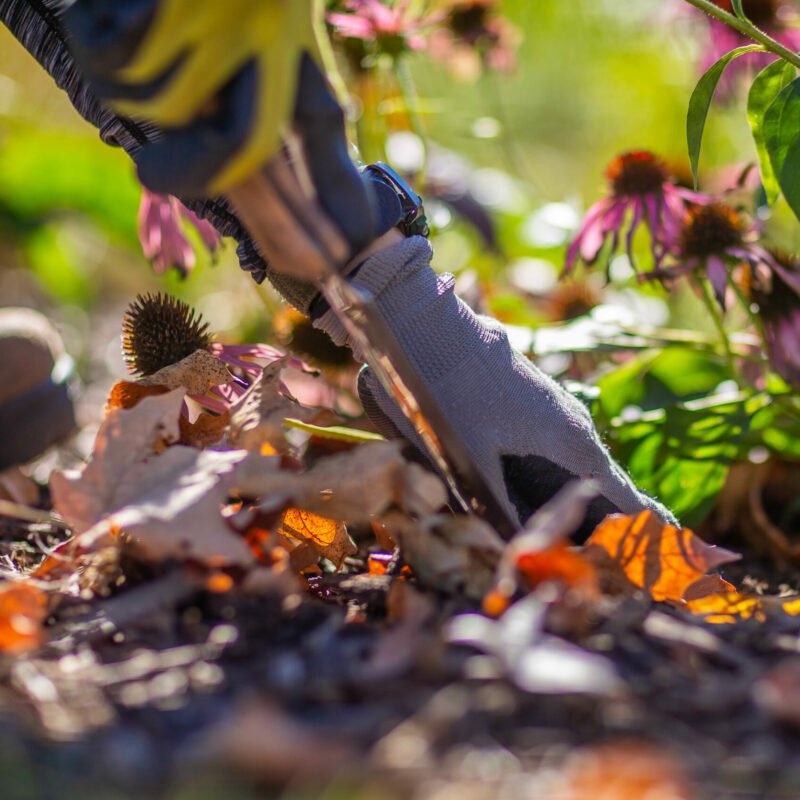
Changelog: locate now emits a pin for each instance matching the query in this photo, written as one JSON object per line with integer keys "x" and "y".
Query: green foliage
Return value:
{"x": 782, "y": 138}
{"x": 700, "y": 102}
{"x": 665, "y": 420}
{"x": 766, "y": 87}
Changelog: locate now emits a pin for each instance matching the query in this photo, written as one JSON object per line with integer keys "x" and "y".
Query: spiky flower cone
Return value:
{"x": 159, "y": 330}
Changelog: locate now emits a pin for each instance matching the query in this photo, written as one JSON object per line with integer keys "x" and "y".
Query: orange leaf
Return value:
{"x": 792, "y": 606}
{"x": 328, "y": 537}
{"x": 206, "y": 430}
{"x": 558, "y": 563}
{"x": 126, "y": 394}
{"x": 661, "y": 559}
{"x": 321, "y": 530}
{"x": 23, "y": 610}
{"x": 728, "y": 607}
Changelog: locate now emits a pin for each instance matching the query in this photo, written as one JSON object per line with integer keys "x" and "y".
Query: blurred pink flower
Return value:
{"x": 391, "y": 27}
{"x": 475, "y": 36}
{"x": 161, "y": 221}
{"x": 776, "y": 292}
{"x": 778, "y": 18}
{"x": 642, "y": 192}
{"x": 713, "y": 240}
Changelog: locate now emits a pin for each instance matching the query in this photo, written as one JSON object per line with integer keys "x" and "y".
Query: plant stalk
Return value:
{"x": 713, "y": 311}
{"x": 745, "y": 27}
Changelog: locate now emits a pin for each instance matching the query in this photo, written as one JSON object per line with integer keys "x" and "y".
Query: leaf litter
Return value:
{"x": 229, "y": 597}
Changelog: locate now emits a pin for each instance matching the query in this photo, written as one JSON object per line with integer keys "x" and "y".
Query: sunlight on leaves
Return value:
{"x": 661, "y": 559}
{"x": 327, "y": 536}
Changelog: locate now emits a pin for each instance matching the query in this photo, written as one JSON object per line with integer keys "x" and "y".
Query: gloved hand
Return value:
{"x": 229, "y": 84}
{"x": 528, "y": 433}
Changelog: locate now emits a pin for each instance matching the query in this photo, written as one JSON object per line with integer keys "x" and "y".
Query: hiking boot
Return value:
{"x": 35, "y": 406}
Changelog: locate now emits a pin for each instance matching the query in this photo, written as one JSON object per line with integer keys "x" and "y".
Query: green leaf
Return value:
{"x": 738, "y": 10}
{"x": 782, "y": 132}
{"x": 338, "y": 433}
{"x": 769, "y": 83}
{"x": 700, "y": 102}
{"x": 789, "y": 178}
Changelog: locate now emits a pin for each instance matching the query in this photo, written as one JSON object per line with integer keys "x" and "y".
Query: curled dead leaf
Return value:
{"x": 661, "y": 559}
{"x": 126, "y": 438}
{"x": 127, "y": 394}
{"x": 353, "y": 486}
{"x": 328, "y": 537}
{"x": 257, "y": 417}
{"x": 452, "y": 554}
{"x": 196, "y": 373}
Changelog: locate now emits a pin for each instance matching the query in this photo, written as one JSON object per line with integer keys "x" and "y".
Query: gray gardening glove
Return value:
{"x": 529, "y": 434}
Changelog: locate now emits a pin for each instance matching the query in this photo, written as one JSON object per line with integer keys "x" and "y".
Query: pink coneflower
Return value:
{"x": 777, "y": 295}
{"x": 713, "y": 239}
{"x": 161, "y": 222}
{"x": 775, "y": 17}
{"x": 474, "y": 35}
{"x": 392, "y": 28}
{"x": 642, "y": 192}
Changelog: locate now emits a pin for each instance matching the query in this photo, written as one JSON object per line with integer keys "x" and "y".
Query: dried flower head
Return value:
{"x": 710, "y": 230}
{"x": 713, "y": 240}
{"x": 159, "y": 330}
{"x": 297, "y": 332}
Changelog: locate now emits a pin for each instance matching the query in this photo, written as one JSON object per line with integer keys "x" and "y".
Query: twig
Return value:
{"x": 746, "y": 28}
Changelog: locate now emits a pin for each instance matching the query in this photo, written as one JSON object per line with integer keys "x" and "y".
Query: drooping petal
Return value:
{"x": 718, "y": 277}
{"x": 636, "y": 219}
{"x": 208, "y": 233}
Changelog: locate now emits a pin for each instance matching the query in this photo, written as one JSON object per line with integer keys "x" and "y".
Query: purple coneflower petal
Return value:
{"x": 638, "y": 211}
{"x": 718, "y": 277}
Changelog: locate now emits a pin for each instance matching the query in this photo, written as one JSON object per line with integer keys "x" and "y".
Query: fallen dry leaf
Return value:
{"x": 328, "y": 537}
{"x": 353, "y": 486}
{"x": 661, "y": 559}
{"x": 23, "y": 610}
{"x": 126, "y": 438}
{"x": 727, "y": 608}
{"x": 127, "y": 394}
{"x": 169, "y": 503}
{"x": 539, "y": 552}
{"x": 196, "y": 373}
{"x": 206, "y": 430}
{"x": 561, "y": 564}
{"x": 171, "y": 506}
{"x": 455, "y": 554}
{"x": 257, "y": 417}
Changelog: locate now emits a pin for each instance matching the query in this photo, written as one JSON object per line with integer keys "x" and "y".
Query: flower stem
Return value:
{"x": 746, "y": 28}
{"x": 410, "y": 97}
{"x": 713, "y": 310}
{"x": 755, "y": 320}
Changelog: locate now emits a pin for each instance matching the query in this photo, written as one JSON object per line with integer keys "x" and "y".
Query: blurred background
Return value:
{"x": 530, "y": 140}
